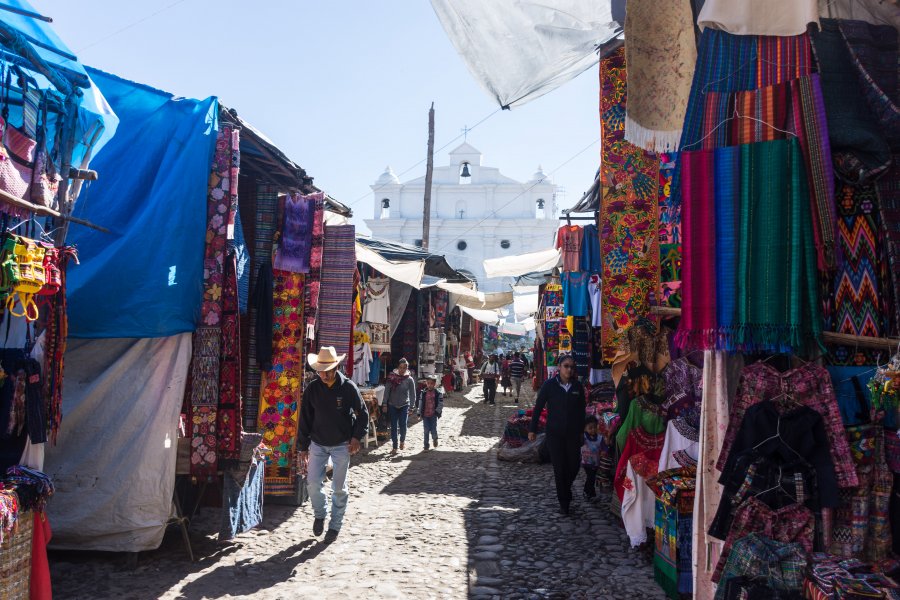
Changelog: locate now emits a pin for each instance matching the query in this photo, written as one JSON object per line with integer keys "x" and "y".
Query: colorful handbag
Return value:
{"x": 16, "y": 161}
{"x": 54, "y": 264}
{"x": 9, "y": 270}
{"x": 29, "y": 257}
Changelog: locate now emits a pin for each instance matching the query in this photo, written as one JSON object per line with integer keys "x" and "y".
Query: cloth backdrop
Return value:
{"x": 629, "y": 236}
{"x": 336, "y": 294}
{"x": 114, "y": 464}
{"x": 151, "y": 195}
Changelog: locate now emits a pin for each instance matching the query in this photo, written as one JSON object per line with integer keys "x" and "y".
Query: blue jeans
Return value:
{"x": 315, "y": 481}
{"x": 430, "y": 424}
{"x": 398, "y": 418}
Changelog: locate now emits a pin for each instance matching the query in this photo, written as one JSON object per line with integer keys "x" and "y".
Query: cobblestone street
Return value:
{"x": 448, "y": 523}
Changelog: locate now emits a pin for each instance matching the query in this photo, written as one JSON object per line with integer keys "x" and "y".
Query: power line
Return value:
{"x": 535, "y": 184}
{"x": 129, "y": 26}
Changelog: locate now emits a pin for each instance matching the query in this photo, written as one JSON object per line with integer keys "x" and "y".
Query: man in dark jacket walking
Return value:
{"x": 333, "y": 418}
{"x": 563, "y": 396}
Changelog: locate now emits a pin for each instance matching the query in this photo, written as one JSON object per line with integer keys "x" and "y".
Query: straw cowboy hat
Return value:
{"x": 326, "y": 360}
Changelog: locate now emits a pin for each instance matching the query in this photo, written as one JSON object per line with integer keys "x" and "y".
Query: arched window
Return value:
{"x": 465, "y": 176}
{"x": 385, "y": 208}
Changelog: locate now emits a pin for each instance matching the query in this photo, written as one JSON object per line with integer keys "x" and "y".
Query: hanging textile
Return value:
{"x": 228, "y": 415}
{"x": 265, "y": 216}
{"x": 888, "y": 188}
{"x": 856, "y": 300}
{"x": 404, "y": 343}
{"x": 874, "y": 49}
{"x": 279, "y": 399}
{"x": 629, "y": 242}
{"x": 205, "y": 370}
{"x": 670, "y": 257}
{"x": 336, "y": 293}
{"x": 314, "y": 278}
{"x": 660, "y": 55}
{"x": 860, "y": 150}
{"x": 776, "y": 259}
{"x": 295, "y": 245}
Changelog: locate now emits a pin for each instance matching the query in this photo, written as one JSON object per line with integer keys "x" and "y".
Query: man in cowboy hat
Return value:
{"x": 333, "y": 418}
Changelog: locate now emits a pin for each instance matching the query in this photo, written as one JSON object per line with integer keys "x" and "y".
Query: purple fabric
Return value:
{"x": 296, "y": 241}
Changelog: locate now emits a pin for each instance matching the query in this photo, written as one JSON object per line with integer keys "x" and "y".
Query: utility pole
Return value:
{"x": 429, "y": 168}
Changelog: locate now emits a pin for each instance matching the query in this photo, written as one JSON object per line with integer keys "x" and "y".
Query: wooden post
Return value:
{"x": 429, "y": 169}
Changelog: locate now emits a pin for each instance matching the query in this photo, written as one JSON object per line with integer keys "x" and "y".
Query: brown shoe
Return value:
{"x": 435, "y": 444}
{"x": 403, "y": 445}
{"x": 393, "y": 452}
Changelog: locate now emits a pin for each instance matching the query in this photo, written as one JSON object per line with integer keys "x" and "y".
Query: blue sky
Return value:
{"x": 343, "y": 87}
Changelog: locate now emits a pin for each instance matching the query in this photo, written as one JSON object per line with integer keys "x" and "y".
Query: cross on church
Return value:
{"x": 465, "y": 131}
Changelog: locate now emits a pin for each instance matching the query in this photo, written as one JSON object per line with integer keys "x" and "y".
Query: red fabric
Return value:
{"x": 40, "y": 566}
{"x": 643, "y": 449}
{"x": 698, "y": 317}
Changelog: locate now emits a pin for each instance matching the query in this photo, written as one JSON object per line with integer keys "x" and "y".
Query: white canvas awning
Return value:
{"x": 513, "y": 329}
{"x": 520, "y": 264}
{"x": 525, "y": 304}
{"x": 519, "y": 50}
{"x": 409, "y": 272}
{"x": 491, "y": 317}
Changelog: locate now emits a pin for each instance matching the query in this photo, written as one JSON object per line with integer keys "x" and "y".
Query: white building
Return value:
{"x": 476, "y": 213}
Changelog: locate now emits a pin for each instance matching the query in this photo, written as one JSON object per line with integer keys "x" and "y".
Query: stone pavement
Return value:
{"x": 448, "y": 523}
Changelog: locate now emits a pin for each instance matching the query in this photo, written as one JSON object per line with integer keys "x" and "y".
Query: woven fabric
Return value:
{"x": 629, "y": 238}
{"x": 793, "y": 523}
{"x": 314, "y": 278}
{"x": 205, "y": 372}
{"x": 888, "y": 188}
{"x": 670, "y": 255}
{"x": 264, "y": 233}
{"x": 296, "y": 242}
{"x": 856, "y": 291}
{"x": 228, "y": 415}
{"x": 336, "y": 294}
{"x": 660, "y": 55}
{"x": 860, "y": 150}
{"x": 875, "y": 50}
{"x": 779, "y": 565}
{"x": 665, "y": 552}
{"x": 778, "y": 307}
{"x": 810, "y": 385}
{"x": 280, "y": 398}
{"x": 698, "y": 328}
{"x": 767, "y": 108}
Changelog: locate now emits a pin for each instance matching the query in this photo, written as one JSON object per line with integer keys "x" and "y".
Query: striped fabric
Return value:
{"x": 336, "y": 292}
{"x": 768, "y": 108}
{"x": 266, "y": 209}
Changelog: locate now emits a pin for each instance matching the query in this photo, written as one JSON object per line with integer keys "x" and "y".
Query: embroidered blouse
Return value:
{"x": 811, "y": 386}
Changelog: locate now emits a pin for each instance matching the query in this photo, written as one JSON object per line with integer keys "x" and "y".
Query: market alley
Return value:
{"x": 448, "y": 523}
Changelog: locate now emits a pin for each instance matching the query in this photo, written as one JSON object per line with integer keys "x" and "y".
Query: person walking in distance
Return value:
{"x": 590, "y": 457}
{"x": 517, "y": 374}
{"x": 563, "y": 396}
{"x": 429, "y": 405}
{"x": 400, "y": 397}
{"x": 490, "y": 372}
{"x": 505, "y": 382}
{"x": 333, "y": 418}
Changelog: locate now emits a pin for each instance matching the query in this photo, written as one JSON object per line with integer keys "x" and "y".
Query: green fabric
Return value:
{"x": 778, "y": 306}
{"x": 642, "y": 413}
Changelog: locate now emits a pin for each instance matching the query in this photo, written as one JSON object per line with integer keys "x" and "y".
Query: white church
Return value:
{"x": 476, "y": 213}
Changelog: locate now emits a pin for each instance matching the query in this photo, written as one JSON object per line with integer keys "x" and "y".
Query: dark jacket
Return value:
{"x": 330, "y": 416}
{"x": 438, "y": 402}
{"x": 565, "y": 410}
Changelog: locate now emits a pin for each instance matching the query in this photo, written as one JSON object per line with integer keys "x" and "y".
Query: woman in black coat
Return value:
{"x": 564, "y": 398}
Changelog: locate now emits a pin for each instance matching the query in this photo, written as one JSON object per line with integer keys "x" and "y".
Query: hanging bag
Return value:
{"x": 45, "y": 179}
{"x": 29, "y": 257}
{"x": 16, "y": 155}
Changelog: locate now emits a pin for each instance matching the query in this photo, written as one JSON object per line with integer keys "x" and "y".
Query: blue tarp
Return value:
{"x": 96, "y": 120}
{"x": 145, "y": 278}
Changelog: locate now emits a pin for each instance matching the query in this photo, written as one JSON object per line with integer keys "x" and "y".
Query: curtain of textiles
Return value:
{"x": 554, "y": 324}
{"x": 280, "y": 396}
{"x": 629, "y": 236}
{"x": 263, "y": 233}
{"x": 856, "y": 290}
{"x": 403, "y": 343}
{"x": 669, "y": 235}
{"x": 208, "y": 342}
{"x": 336, "y": 294}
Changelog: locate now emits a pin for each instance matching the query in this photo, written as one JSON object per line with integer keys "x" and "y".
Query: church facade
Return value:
{"x": 476, "y": 213}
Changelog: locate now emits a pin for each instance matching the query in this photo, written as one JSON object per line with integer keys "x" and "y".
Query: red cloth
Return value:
{"x": 698, "y": 312}
{"x": 40, "y": 566}
{"x": 643, "y": 449}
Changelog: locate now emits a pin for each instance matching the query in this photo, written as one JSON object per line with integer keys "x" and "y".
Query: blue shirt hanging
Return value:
{"x": 575, "y": 293}
{"x": 590, "y": 250}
